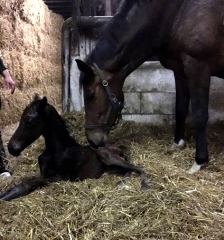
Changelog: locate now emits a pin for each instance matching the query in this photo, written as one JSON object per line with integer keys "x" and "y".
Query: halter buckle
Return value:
{"x": 105, "y": 83}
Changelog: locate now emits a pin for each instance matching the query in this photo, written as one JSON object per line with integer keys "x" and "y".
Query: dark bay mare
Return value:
{"x": 188, "y": 38}
{"x": 63, "y": 158}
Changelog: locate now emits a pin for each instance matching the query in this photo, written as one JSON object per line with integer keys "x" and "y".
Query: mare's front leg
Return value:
{"x": 46, "y": 164}
{"x": 199, "y": 77}
{"x": 182, "y": 107}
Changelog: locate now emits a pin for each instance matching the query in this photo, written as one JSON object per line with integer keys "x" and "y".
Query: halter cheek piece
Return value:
{"x": 115, "y": 105}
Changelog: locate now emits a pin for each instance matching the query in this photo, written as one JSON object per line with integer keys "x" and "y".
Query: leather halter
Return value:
{"x": 114, "y": 104}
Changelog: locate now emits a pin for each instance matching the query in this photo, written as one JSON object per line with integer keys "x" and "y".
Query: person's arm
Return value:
{"x": 2, "y": 66}
{"x": 10, "y": 84}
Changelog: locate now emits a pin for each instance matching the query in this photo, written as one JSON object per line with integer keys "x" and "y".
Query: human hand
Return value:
{"x": 10, "y": 84}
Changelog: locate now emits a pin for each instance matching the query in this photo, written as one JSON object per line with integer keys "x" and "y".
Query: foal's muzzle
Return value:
{"x": 14, "y": 148}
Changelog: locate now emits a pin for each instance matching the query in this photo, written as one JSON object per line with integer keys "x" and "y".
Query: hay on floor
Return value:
{"x": 177, "y": 206}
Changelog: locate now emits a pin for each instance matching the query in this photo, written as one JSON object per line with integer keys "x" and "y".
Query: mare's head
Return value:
{"x": 30, "y": 127}
{"x": 103, "y": 99}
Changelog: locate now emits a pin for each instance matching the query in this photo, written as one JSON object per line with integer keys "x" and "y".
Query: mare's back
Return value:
{"x": 199, "y": 26}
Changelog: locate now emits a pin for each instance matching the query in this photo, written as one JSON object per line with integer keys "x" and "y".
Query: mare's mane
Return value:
{"x": 111, "y": 34}
{"x": 117, "y": 33}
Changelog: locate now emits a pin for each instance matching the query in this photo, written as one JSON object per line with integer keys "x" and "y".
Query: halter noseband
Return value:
{"x": 115, "y": 105}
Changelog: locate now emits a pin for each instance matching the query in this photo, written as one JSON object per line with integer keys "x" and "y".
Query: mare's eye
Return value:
{"x": 90, "y": 96}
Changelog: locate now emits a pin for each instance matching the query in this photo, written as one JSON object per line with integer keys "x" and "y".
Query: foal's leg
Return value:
{"x": 199, "y": 76}
{"x": 111, "y": 159}
{"x": 27, "y": 187}
{"x": 46, "y": 164}
{"x": 124, "y": 179}
{"x": 182, "y": 106}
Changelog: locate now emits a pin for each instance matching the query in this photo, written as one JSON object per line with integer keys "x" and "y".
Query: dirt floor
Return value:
{"x": 177, "y": 206}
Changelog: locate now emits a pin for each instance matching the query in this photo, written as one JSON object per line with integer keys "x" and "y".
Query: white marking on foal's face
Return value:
{"x": 5, "y": 175}
{"x": 195, "y": 168}
{"x": 178, "y": 145}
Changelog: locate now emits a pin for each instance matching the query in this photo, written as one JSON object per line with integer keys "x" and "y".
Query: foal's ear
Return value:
{"x": 42, "y": 104}
{"x": 83, "y": 67}
{"x": 36, "y": 97}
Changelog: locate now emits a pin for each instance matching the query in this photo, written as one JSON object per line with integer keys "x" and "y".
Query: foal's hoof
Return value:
{"x": 179, "y": 145}
{"x": 121, "y": 185}
{"x": 195, "y": 168}
{"x": 144, "y": 182}
{"x": 144, "y": 187}
{"x": 5, "y": 175}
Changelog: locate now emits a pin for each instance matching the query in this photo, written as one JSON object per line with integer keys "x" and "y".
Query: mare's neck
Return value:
{"x": 137, "y": 32}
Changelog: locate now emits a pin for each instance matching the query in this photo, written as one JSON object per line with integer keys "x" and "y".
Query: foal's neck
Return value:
{"x": 55, "y": 132}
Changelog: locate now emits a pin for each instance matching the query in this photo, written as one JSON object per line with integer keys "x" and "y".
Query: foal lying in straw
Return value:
{"x": 63, "y": 159}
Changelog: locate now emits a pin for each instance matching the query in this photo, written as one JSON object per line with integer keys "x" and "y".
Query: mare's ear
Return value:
{"x": 42, "y": 104}
{"x": 83, "y": 67}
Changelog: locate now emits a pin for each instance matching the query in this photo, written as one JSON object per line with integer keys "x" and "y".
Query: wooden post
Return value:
{"x": 108, "y": 8}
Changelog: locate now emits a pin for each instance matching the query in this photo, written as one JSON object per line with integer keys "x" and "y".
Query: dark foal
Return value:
{"x": 63, "y": 159}
{"x": 188, "y": 38}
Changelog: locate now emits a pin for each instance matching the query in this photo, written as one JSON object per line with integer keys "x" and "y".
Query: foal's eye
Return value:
{"x": 90, "y": 96}
{"x": 28, "y": 121}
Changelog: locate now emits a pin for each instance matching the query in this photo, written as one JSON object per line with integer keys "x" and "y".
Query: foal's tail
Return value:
{"x": 27, "y": 187}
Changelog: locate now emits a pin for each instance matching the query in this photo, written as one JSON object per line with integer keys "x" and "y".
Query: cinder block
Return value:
{"x": 216, "y": 106}
{"x": 152, "y": 119}
{"x": 217, "y": 85}
{"x": 150, "y": 77}
{"x": 157, "y": 103}
{"x": 132, "y": 103}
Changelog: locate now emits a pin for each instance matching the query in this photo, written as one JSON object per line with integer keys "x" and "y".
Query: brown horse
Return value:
{"x": 188, "y": 38}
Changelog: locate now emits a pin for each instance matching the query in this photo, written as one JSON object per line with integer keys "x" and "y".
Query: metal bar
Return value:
{"x": 66, "y": 29}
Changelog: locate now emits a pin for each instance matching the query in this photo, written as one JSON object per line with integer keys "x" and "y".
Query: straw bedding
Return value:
{"x": 177, "y": 206}
{"x": 30, "y": 46}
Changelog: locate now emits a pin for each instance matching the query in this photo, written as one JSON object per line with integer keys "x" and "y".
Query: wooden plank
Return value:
{"x": 108, "y": 8}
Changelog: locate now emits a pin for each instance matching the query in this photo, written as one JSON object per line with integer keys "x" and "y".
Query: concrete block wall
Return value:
{"x": 150, "y": 95}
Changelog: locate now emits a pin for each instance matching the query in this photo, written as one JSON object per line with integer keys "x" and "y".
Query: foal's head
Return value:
{"x": 30, "y": 127}
{"x": 103, "y": 99}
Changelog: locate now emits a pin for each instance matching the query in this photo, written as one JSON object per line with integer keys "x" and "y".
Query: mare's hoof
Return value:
{"x": 179, "y": 145}
{"x": 195, "y": 168}
{"x": 5, "y": 175}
